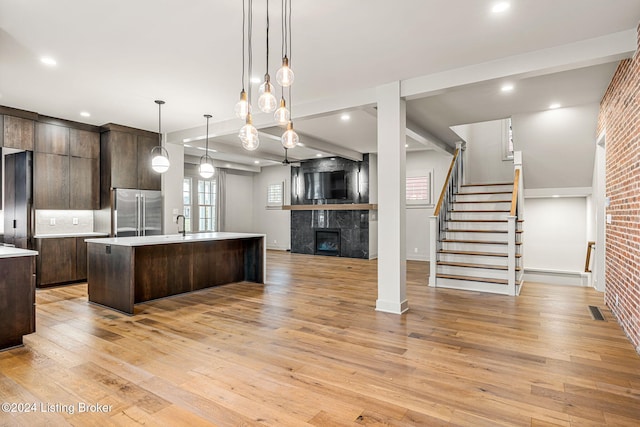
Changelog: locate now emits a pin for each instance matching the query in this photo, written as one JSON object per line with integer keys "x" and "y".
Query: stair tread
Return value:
{"x": 452, "y": 252}
{"x": 453, "y": 230}
{"x": 488, "y": 242}
{"x": 473, "y": 265}
{"x": 483, "y": 201}
{"x": 487, "y": 185}
{"x": 473, "y": 279}
{"x": 467, "y": 211}
{"x": 481, "y": 220}
{"x": 479, "y": 193}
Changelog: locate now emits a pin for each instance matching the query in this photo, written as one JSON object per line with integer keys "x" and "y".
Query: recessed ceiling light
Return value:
{"x": 300, "y": 144}
{"x": 188, "y": 145}
{"x": 228, "y": 165}
{"x": 256, "y": 80}
{"x": 333, "y": 158}
{"x": 500, "y": 7}
{"x": 345, "y": 117}
{"x": 406, "y": 145}
{"x": 47, "y": 60}
{"x": 85, "y": 114}
{"x": 555, "y": 196}
{"x": 319, "y": 155}
{"x": 257, "y": 162}
{"x": 507, "y": 87}
{"x": 554, "y": 106}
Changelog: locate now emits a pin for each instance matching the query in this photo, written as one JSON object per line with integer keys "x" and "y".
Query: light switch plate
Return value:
{"x": 75, "y": 221}
{"x": 52, "y": 221}
{"x": 609, "y": 220}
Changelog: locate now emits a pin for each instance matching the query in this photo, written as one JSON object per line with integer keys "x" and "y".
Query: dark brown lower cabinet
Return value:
{"x": 17, "y": 300}
{"x": 61, "y": 260}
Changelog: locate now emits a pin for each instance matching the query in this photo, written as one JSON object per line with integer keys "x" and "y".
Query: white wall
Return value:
{"x": 172, "y": 188}
{"x": 239, "y": 202}
{"x": 275, "y": 223}
{"x": 483, "y": 157}
{"x": 419, "y": 163}
{"x": 557, "y": 146}
{"x": 555, "y": 234}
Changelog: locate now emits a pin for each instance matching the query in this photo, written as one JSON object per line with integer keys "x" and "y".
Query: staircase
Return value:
{"x": 473, "y": 242}
{"x": 476, "y": 234}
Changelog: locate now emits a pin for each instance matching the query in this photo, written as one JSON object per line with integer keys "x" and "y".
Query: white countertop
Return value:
{"x": 172, "y": 238}
{"x": 58, "y": 236}
{"x": 9, "y": 252}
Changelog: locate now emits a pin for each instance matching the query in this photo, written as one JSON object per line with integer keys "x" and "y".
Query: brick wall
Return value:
{"x": 620, "y": 119}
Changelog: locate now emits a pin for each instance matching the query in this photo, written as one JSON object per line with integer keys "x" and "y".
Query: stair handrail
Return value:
{"x": 451, "y": 184}
{"x": 514, "y": 195}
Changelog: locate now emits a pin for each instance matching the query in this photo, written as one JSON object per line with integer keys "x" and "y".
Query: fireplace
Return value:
{"x": 327, "y": 242}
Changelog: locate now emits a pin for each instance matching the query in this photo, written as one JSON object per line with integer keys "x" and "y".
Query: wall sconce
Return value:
{"x": 297, "y": 185}
{"x": 358, "y": 188}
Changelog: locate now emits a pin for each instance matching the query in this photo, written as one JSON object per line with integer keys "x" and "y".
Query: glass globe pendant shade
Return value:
{"x": 290, "y": 138}
{"x": 267, "y": 102}
{"x": 282, "y": 115}
{"x": 242, "y": 107}
{"x": 160, "y": 159}
{"x": 206, "y": 168}
{"x": 249, "y": 135}
{"x": 285, "y": 75}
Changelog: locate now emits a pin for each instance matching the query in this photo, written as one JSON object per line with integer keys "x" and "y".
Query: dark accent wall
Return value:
{"x": 353, "y": 224}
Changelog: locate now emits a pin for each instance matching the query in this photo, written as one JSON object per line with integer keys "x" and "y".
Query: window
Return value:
{"x": 206, "y": 205}
{"x": 275, "y": 194}
{"x": 420, "y": 190}
{"x": 186, "y": 202}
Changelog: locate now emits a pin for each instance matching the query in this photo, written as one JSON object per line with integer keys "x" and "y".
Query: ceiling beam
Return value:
{"x": 424, "y": 137}
{"x": 318, "y": 144}
{"x": 595, "y": 51}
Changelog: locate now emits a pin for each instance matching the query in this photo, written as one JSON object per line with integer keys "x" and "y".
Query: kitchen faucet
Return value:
{"x": 184, "y": 229}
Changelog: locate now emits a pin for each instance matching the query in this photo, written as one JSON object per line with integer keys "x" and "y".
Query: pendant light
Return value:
{"x": 267, "y": 102}
{"x": 206, "y": 168}
{"x": 281, "y": 115}
{"x": 159, "y": 155}
{"x": 289, "y": 138}
{"x": 285, "y": 75}
{"x": 248, "y": 133}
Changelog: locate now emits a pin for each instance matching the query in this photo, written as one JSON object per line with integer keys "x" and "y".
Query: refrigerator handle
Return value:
{"x": 137, "y": 214}
{"x": 143, "y": 203}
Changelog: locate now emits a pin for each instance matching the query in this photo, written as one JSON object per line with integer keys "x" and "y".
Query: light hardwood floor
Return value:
{"x": 308, "y": 348}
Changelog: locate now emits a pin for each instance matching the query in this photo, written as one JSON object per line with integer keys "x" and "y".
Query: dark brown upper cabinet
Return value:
{"x": 52, "y": 139}
{"x": 17, "y": 133}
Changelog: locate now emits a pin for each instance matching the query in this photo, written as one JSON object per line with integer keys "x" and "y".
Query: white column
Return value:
{"x": 392, "y": 268}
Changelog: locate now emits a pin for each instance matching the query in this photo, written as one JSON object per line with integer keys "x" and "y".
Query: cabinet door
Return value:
{"x": 56, "y": 260}
{"x": 52, "y": 139}
{"x": 84, "y": 183}
{"x": 81, "y": 259}
{"x": 83, "y": 143}
{"x": 148, "y": 179}
{"x": 123, "y": 150}
{"x": 51, "y": 181}
{"x": 18, "y": 133}
{"x": 17, "y": 304}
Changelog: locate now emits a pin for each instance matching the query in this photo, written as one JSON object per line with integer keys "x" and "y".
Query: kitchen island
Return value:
{"x": 123, "y": 271}
{"x": 17, "y": 295}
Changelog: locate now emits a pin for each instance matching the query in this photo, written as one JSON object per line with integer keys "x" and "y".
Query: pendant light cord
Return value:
{"x": 159, "y": 125}
{"x": 267, "y": 60}
{"x": 243, "y": 42}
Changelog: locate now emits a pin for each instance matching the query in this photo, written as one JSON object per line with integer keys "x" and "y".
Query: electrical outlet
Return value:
{"x": 616, "y": 300}
{"x": 75, "y": 221}
{"x": 52, "y": 221}
{"x": 275, "y": 241}
{"x": 415, "y": 250}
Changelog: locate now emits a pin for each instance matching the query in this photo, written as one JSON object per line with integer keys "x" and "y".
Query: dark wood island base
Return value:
{"x": 125, "y": 271}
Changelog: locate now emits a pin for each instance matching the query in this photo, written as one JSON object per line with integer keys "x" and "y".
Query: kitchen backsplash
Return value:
{"x": 63, "y": 222}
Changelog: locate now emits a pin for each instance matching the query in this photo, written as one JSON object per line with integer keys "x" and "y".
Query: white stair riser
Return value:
{"x": 477, "y": 247}
{"x": 481, "y": 206}
{"x": 499, "y": 226}
{"x": 475, "y": 259}
{"x": 461, "y": 197}
{"x": 472, "y": 286}
{"x": 486, "y": 188}
{"x": 469, "y": 235}
{"x": 473, "y": 272}
{"x": 478, "y": 215}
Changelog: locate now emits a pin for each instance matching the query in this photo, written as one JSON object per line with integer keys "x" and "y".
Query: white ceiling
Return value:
{"x": 116, "y": 57}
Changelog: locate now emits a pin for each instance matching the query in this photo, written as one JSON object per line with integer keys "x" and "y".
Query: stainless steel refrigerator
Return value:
{"x": 137, "y": 212}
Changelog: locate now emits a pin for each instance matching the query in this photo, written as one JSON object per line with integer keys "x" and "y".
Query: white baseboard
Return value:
{"x": 417, "y": 257}
{"x": 556, "y": 277}
{"x": 276, "y": 248}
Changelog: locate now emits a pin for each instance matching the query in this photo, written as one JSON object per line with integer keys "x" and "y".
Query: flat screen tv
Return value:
{"x": 325, "y": 185}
